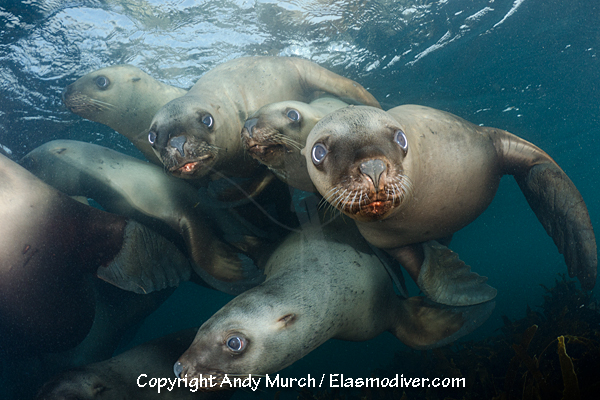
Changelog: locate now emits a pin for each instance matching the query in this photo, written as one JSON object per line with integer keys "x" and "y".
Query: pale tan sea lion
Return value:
{"x": 127, "y": 186}
{"x": 124, "y": 98}
{"x": 50, "y": 244}
{"x": 199, "y": 133}
{"x": 275, "y": 134}
{"x": 129, "y": 375}
{"x": 415, "y": 174}
{"x": 322, "y": 283}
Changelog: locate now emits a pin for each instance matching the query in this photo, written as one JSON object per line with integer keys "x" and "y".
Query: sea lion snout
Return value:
{"x": 373, "y": 169}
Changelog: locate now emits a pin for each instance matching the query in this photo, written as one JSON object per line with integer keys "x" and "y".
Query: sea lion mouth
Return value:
{"x": 192, "y": 167}
{"x": 363, "y": 203}
{"x": 83, "y": 105}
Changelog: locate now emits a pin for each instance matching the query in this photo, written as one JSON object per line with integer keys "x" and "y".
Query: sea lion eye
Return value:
{"x": 152, "y": 137}
{"x": 318, "y": 153}
{"x": 400, "y": 138}
{"x": 293, "y": 115}
{"x": 208, "y": 120}
{"x": 102, "y": 82}
{"x": 235, "y": 344}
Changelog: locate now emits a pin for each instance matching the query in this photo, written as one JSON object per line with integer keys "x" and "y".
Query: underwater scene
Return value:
{"x": 317, "y": 199}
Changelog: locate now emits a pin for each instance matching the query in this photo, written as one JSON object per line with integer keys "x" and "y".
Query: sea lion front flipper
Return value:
{"x": 555, "y": 201}
{"x": 421, "y": 324}
{"x": 560, "y": 208}
{"x": 442, "y": 276}
{"x": 317, "y": 78}
{"x": 147, "y": 262}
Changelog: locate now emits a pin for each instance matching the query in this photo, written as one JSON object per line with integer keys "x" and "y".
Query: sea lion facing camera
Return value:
{"x": 130, "y": 187}
{"x": 124, "y": 98}
{"x": 275, "y": 134}
{"x": 415, "y": 174}
{"x": 128, "y": 376}
{"x": 50, "y": 242}
{"x": 199, "y": 133}
{"x": 323, "y": 282}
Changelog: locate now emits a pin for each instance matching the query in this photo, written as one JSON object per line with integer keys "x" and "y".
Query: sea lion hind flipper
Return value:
{"x": 147, "y": 262}
{"x": 317, "y": 78}
{"x": 562, "y": 212}
{"x": 422, "y": 324}
{"x": 445, "y": 279}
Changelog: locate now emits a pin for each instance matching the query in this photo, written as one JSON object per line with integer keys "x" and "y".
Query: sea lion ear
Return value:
{"x": 287, "y": 320}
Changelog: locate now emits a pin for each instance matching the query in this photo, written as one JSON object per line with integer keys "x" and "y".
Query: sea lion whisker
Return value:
{"x": 249, "y": 197}
{"x": 278, "y": 138}
{"x": 102, "y": 104}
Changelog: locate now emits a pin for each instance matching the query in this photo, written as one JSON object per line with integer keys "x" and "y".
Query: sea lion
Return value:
{"x": 118, "y": 314}
{"x": 199, "y": 133}
{"x": 323, "y": 282}
{"x": 123, "y": 97}
{"x": 50, "y": 242}
{"x": 133, "y": 188}
{"x": 275, "y": 134}
{"x": 129, "y": 375}
{"x": 414, "y": 174}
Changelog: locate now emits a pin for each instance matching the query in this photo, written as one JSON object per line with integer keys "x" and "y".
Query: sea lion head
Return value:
{"x": 277, "y": 129}
{"x": 359, "y": 160}
{"x": 274, "y": 136}
{"x": 242, "y": 339}
{"x": 183, "y": 135}
{"x": 105, "y": 94}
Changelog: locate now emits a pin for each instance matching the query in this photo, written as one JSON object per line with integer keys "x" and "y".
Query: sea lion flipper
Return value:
{"x": 430, "y": 325}
{"x": 560, "y": 208}
{"x": 147, "y": 262}
{"x": 446, "y": 279}
{"x": 317, "y": 78}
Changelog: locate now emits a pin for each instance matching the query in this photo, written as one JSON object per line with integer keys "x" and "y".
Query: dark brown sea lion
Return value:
{"x": 199, "y": 133}
{"x": 275, "y": 134}
{"x": 50, "y": 243}
{"x": 322, "y": 283}
{"x": 414, "y": 174}
{"x": 124, "y": 98}
{"x": 132, "y": 375}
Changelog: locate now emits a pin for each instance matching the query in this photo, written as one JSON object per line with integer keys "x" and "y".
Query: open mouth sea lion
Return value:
{"x": 414, "y": 174}
{"x": 199, "y": 133}
{"x": 275, "y": 134}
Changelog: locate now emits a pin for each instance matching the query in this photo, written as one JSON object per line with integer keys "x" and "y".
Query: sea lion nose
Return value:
{"x": 249, "y": 125}
{"x": 178, "y": 369}
{"x": 373, "y": 169}
{"x": 178, "y": 143}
